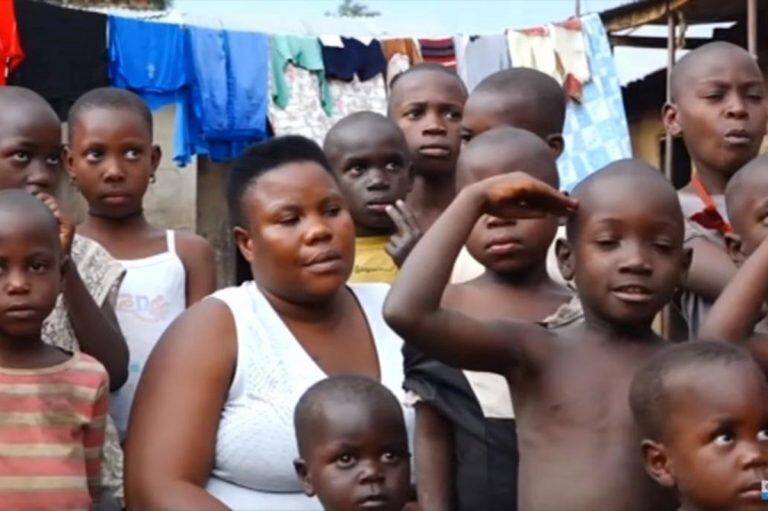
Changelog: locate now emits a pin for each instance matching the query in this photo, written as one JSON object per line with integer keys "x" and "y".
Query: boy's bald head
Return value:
{"x": 355, "y": 129}
{"x": 19, "y": 206}
{"x": 625, "y": 177}
{"x": 524, "y": 98}
{"x": 19, "y": 105}
{"x": 696, "y": 62}
{"x": 506, "y": 149}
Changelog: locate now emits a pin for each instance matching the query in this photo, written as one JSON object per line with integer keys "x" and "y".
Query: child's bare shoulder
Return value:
{"x": 190, "y": 246}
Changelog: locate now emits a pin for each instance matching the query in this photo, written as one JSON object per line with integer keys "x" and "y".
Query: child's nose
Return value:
{"x": 39, "y": 178}
{"x": 371, "y": 473}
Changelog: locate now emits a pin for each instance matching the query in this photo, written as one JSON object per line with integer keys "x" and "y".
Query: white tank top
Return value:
{"x": 255, "y": 443}
{"x": 152, "y": 295}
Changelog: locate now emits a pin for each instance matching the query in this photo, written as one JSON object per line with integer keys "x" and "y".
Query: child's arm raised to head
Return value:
{"x": 413, "y": 306}
{"x": 738, "y": 309}
{"x": 200, "y": 266}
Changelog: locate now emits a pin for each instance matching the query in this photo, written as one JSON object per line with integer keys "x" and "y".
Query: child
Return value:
{"x": 718, "y": 108}
{"x": 738, "y": 315}
{"x": 625, "y": 253}
{"x": 112, "y": 160}
{"x": 369, "y": 156}
{"x": 465, "y": 431}
{"x": 83, "y": 318}
{"x": 522, "y": 98}
{"x": 353, "y": 447}
{"x": 54, "y": 402}
{"x": 426, "y": 102}
{"x": 702, "y": 410}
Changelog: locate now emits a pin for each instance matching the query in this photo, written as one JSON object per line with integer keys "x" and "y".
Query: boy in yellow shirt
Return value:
{"x": 369, "y": 156}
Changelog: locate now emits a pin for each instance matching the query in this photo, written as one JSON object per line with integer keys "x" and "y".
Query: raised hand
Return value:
{"x": 408, "y": 232}
{"x": 66, "y": 226}
{"x": 519, "y": 195}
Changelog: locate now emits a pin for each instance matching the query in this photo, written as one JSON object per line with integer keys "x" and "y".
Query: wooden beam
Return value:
{"x": 691, "y": 43}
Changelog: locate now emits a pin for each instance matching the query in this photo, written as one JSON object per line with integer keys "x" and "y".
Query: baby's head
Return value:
{"x": 110, "y": 155}
{"x": 625, "y": 244}
{"x": 426, "y": 102}
{"x": 30, "y": 141}
{"x": 509, "y": 247}
{"x": 718, "y": 107}
{"x": 353, "y": 446}
{"x": 519, "y": 97}
{"x": 746, "y": 198}
{"x": 702, "y": 411}
{"x": 31, "y": 264}
{"x": 369, "y": 155}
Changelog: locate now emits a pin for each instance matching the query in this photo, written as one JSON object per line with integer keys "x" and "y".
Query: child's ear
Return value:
{"x": 564, "y": 254}
{"x": 304, "y": 478}
{"x": 735, "y": 248}
{"x": 557, "y": 143}
{"x": 669, "y": 117}
{"x": 686, "y": 263}
{"x": 68, "y": 161}
{"x": 657, "y": 463}
{"x": 155, "y": 156}
{"x": 244, "y": 243}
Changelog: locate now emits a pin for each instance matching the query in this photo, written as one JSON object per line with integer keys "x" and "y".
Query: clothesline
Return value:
{"x": 232, "y": 88}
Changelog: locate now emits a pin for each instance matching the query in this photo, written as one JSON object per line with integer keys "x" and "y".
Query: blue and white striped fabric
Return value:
{"x": 596, "y": 131}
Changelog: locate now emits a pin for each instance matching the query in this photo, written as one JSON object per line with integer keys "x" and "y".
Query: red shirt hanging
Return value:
{"x": 11, "y": 52}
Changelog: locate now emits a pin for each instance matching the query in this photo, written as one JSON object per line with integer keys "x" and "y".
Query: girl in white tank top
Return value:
{"x": 112, "y": 160}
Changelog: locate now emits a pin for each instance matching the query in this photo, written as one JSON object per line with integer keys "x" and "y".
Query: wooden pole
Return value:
{"x": 668, "y": 148}
{"x": 752, "y": 27}
{"x": 578, "y": 8}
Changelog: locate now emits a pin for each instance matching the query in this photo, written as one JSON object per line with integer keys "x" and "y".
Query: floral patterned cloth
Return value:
{"x": 102, "y": 276}
{"x": 304, "y": 115}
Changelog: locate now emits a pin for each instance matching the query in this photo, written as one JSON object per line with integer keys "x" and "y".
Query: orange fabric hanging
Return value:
{"x": 709, "y": 217}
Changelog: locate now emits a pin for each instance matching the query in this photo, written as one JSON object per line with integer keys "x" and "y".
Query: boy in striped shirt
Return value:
{"x": 53, "y": 404}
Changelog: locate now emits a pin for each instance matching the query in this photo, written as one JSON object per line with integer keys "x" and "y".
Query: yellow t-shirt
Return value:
{"x": 372, "y": 263}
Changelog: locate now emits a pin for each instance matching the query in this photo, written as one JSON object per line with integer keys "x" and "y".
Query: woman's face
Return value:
{"x": 299, "y": 237}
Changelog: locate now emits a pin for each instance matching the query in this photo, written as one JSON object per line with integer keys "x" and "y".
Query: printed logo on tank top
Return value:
{"x": 143, "y": 307}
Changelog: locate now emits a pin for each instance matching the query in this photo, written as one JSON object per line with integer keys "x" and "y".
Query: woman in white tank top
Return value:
{"x": 212, "y": 425}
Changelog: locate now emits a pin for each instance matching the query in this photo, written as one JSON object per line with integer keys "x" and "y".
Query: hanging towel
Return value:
{"x": 353, "y": 58}
{"x": 439, "y": 51}
{"x": 596, "y": 130}
{"x": 66, "y": 52}
{"x": 303, "y": 52}
{"x": 400, "y": 55}
{"x": 227, "y": 106}
{"x": 149, "y": 59}
{"x": 11, "y": 52}
{"x": 480, "y": 56}
{"x": 557, "y": 50}
{"x": 404, "y": 46}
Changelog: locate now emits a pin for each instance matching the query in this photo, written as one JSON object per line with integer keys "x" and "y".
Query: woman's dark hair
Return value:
{"x": 259, "y": 159}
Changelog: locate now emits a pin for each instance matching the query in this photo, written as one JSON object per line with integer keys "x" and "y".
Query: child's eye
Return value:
{"x": 356, "y": 170}
{"x": 333, "y": 211}
{"x": 453, "y": 116}
{"x": 390, "y": 457}
{"x": 38, "y": 266}
{"x": 93, "y": 155}
{"x": 723, "y": 439}
{"x": 606, "y": 242}
{"x": 21, "y": 156}
{"x": 345, "y": 461}
{"x": 466, "y": 136}
{"x": 132, "y": 154}
{"x": 393, "y": 166}
{"x": 53, "y": 160}
{"x": 412, "y": 114}
{"x": 288, "y": 220}
{"x": 762, "y": 435}
{"x": 663, "y": 247}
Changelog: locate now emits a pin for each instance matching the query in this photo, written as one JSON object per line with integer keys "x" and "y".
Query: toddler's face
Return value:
{"x": 716, "y": 436}
{"x": 359, "y": 460}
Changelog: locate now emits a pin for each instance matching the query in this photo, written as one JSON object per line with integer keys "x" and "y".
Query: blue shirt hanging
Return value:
{"x": 148, "y": 58}
{"x": 365, "y": 60}
{"x": 229, "y": 93}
